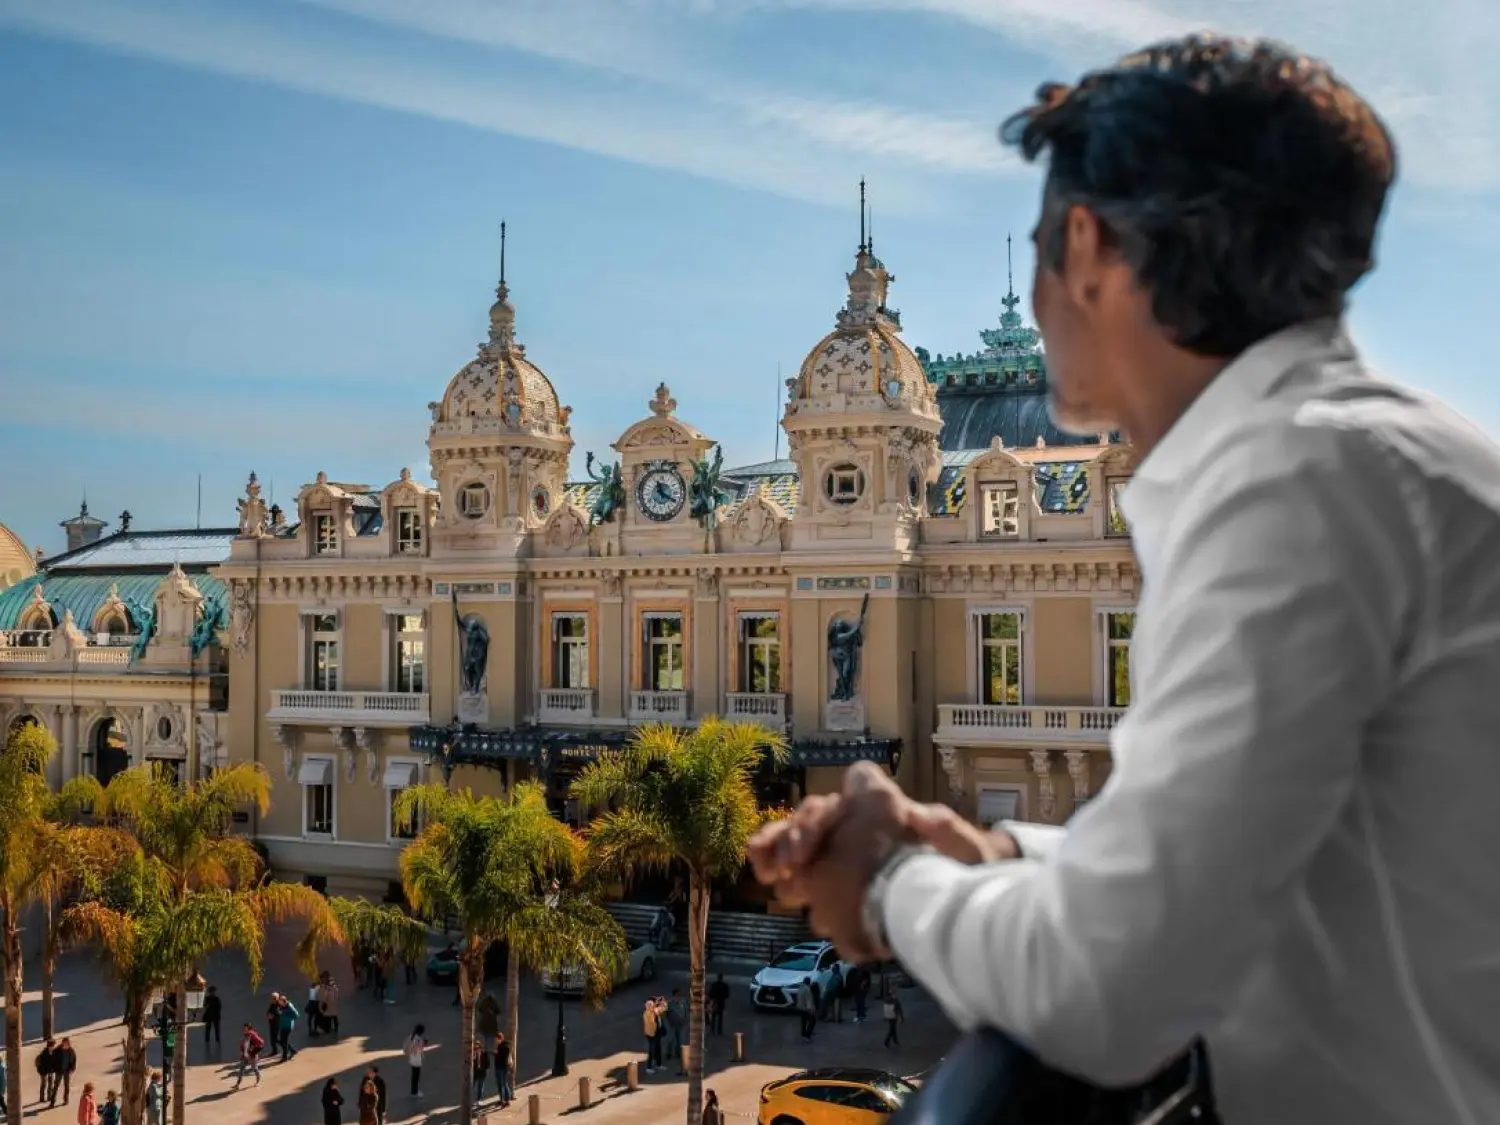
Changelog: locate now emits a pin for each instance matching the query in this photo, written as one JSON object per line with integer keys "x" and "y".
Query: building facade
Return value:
{"x": 961, "y": 615}
{"x": 112, "y": 645}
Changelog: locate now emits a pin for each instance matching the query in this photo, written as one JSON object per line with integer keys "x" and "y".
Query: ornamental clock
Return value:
{"x": 660, "y": 491}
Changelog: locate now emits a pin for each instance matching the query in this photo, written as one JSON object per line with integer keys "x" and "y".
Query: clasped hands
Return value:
{"x": 824, "y": 854}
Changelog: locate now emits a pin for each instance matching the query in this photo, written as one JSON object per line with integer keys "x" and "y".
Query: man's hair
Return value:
{"x": 1241, "y": 181}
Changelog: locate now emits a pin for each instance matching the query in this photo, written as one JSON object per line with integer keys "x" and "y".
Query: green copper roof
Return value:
{"x": 85, "y": 593}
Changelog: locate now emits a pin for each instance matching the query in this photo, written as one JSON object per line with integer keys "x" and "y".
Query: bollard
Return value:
{"x": 484, "y": 1119}
{"x": 739, "y": 1046}
{"x": 683, "y": 1061}
{"x": 583, "y": 1093}
{"x": 534, "y": 1109}
{"x": 632, "y": 1076}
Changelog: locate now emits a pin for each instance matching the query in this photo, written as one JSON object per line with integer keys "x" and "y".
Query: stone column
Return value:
{"x": 71, "y": 751}
{"x": 1041, "y": 765}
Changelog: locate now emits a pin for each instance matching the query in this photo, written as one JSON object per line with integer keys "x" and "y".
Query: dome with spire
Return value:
{"x": 501, "y": 389}
{"x": 864, "y": 357}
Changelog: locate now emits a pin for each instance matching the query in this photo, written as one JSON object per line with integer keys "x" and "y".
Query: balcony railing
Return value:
{"x": 350, "y": 708}
{"x": 33, "y": 646}
{"x": 659, "y": 706}
{"x": 111, "y": 654}
{"x": 996, "y": 724}
{"x": 758, "y": 707}
{"x": 18, "y": 655}
{"x": 566, "y": 705}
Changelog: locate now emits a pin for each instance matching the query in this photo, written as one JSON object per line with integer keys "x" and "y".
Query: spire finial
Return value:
{"x": 862, "y": 243}
{"x": 870, "y": 229}
{"x": 1010, "y": 277}
{"x": 502, "y": 251}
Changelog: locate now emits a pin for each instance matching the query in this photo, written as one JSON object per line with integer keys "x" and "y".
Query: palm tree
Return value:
{"x": 36, "y": 855}
{"x": 680, "y": 796}
{"x": 379, "y": 926}
{"x": 504, "y": 868}
{"x": 186, "y": 830}
{"x": 150, "y": 934}
{"x": 77, "y": 856}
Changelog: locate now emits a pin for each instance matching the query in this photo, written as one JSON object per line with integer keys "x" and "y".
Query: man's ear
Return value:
{"x": 1084, "y": 254}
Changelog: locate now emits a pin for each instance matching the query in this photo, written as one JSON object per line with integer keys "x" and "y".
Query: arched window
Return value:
{"x": 20, "y": 722}
{"x": 35, "y": 625}
{"x": 111, "y": 751}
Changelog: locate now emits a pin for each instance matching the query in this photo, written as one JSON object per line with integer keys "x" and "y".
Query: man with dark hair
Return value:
{"x": 1293, "y": 855}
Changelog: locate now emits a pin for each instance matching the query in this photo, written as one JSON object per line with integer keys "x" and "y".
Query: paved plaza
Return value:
{"x": 600, "y": 1043}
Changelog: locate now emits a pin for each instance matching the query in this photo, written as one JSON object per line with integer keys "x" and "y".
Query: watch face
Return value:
{"x": 660, "y": 491}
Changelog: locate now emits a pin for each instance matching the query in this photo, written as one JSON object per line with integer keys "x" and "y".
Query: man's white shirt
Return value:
{"x": 1297, "y": 853}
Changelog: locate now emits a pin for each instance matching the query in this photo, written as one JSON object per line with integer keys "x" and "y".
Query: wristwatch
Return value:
{"x": 872, "y": 914}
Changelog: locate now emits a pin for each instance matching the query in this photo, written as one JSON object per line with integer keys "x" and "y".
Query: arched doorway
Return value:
{"x": 111, "y": 750}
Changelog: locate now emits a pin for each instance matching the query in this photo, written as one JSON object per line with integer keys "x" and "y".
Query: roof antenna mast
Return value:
{"x": 862, "y": 243}
{"x": 502, "y": 251}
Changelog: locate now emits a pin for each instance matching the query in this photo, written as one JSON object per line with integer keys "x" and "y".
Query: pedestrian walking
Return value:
{"x": 861, "y": 992}
{"x": 46, "y": 1067}
{"x": 66, "y": 1064}
{"x": 481, "y": 1070}
{"x": 487, "y": 1012}
{"x": 718, "y": 999}
{"x": 250, "y": 1048}
{"x": 416, "y": 1046}
{"x": 273, "y": 1024}
{"x": 328, "y": 1004}
{"x": 712, "y": 1114}
{"x": 676, "y": 1023}
{"x": 370, "y": 1112}
{"x": 807, "y": 1008}
{"x": 314, "y": 1009}
{"x": 333, "y": 1102}
{"x": 287, "y": 1016}
{"x": 88, "y": 1108}
{"x": 893, "y": 1015}
{"x": 109, "y": 1112}
{"x": 4, "y": 1087}
{"x": 213, "y": 1012}
{"x": 373, "y": 1075}
{"x": 154, "y": 1099}
{"x": 503, "y": 1069}
{"x": 650, "y": 1018}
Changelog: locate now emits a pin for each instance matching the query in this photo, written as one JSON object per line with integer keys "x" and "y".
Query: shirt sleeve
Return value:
{"x": 1036, "y": 841}
{"x": 1284, "y": 581}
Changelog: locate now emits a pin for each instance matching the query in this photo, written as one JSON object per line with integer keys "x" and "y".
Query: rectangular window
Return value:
{"x": 400, "y": 776}
{"x": 997, "y": 804}
{"x": 760, "y": 653}
{"x": 1114, "y": 518}
{"x": 570, "y": 650}
{"x": 409, "y": 653}
{"x": 1118, "y": 630}
{"x": 325, "y": 534}
{"x": 316, "y": 778}
{"x": 1001, "y": 511}
{"x": 323, "y": 652}
{"x": 664, "y": 652}
{"x": 1000, "y": 658}
{"x": 408, "y": 531}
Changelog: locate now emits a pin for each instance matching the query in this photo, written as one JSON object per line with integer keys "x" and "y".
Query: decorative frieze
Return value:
{"x": 1032, "y": 577}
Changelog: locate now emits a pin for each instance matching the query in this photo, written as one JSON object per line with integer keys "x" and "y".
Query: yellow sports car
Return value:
{"x": 833, "y": 1096}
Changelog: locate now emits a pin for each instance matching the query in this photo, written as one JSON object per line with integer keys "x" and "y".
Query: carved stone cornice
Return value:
{"x": 1026, "y": 576}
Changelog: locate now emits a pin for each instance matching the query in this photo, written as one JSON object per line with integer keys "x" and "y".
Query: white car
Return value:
{"x": 780, "y": 983}
{"x": 642, "y": 966}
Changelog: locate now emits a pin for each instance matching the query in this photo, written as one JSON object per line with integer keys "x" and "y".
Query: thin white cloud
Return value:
{"x": 1430, "y": 72}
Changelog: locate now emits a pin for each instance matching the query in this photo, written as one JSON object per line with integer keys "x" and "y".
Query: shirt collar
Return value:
{"x": 1250, "y": 377}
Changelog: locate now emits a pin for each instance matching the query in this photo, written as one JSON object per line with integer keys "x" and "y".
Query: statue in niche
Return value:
{"x": 611, "y": 481}
{"x": 845, "y": 639}
{"x": 252, "y": 511}
{"x": 474, "y": 649}
{"x": 707, "y": 496}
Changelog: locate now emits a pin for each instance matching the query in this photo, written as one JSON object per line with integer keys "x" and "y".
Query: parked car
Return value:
{"x": 641, "y": 966}
{"x": 779, "y": 983}
{"x": 442, "y": 966}
{"x": 833, "y": 1096}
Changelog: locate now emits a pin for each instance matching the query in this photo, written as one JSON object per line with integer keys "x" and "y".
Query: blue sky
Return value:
{"x": 263, "y": 234}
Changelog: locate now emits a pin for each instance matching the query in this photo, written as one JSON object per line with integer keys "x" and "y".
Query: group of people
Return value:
{"x": 813, "y": 1006}
{"x": 664, "y": 1022}
{"x": 57, "y": 1062}
{"x": 491, "y": 1048}
{"x": 370, "y": 1103}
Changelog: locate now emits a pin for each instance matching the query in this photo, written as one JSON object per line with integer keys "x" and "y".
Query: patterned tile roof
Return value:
{"x": 1062, "y": 487}
{"x": 85, "y": 593}
{"x": 778, "y": 477}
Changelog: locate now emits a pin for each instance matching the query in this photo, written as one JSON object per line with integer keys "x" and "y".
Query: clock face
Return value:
{"x": 660, "y": 491}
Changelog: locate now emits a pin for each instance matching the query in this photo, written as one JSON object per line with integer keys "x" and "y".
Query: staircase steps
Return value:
{"x": 741, "y": 936}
